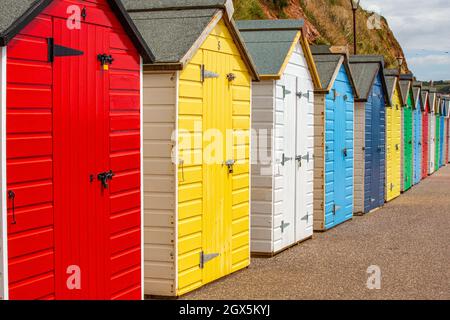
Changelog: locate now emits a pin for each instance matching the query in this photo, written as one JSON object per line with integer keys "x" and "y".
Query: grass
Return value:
{"x": 248, "y": 10}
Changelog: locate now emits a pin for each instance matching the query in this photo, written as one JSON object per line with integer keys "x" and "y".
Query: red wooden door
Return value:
{"x": 68, "y": 120}
{"x": 81, "y": 152}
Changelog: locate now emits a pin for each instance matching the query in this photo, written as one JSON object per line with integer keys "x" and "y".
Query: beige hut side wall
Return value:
{"x": 360, "y": 123}
{"x": 3, "y": 210}
{"x": 160, "y": 105}
{"x": 319, "y": 161}
{"x": 262, "y": 195}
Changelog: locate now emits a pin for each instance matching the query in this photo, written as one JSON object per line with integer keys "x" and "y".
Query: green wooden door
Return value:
{"x": 438, "y": 142}
{"x": 408, "y": 149}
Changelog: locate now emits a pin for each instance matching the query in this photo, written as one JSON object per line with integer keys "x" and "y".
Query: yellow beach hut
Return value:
{"x": 393, "y": 135}
{"x": 196, "y": 144}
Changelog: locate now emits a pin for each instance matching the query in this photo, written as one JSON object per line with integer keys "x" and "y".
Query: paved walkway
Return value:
{"x": 409, "y": 239}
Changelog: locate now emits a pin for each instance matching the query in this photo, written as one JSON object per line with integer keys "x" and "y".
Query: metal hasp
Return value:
{"x": 303, "y": 95}
{"x": 344, "y": 151}
{"x": 300, "y": 158}
{"x": 205, "y": 258}
{"x": 285, "y": 92}
{"x": 230, "y": 165}
{"x": 105, "y": 177}
{"x": 336, "y": 208}
{"x": 205, "y": 74}
{"x": 55, "y": 50}
{"x": 284, "y": 225}
{"x": 285, "y": 159}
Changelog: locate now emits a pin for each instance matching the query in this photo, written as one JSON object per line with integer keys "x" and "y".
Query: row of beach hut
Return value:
{"x": 151, "y": 147}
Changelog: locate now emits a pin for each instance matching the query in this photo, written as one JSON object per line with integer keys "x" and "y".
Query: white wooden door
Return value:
{"x": 431, "y": 143}
{"x": 304, "y": 155}
{"x": 288, "y": 163}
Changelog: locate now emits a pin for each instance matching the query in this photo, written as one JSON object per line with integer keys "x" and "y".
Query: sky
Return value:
{"x": 423, "y": 29}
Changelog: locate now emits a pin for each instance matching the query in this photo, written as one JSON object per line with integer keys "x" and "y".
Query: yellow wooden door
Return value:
{"x": 393, "y": 156}
{"x": 217, "y": 191}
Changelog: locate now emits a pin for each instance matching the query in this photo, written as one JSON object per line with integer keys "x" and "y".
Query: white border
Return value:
{"x": 4, "y": 291}
{"x": 141, "y": 107}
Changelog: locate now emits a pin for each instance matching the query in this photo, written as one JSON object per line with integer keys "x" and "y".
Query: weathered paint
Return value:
{"x": 68, "y": 120}
{"x": 408, "y": 142}
{"x": 417, "y": 141}
{"x": 338, "y": 154}
{"x": 393, "y": 143}
{"x": 282, "y": 194}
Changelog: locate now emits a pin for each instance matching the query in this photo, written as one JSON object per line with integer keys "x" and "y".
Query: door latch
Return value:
{"x": 284, "y": 225}
{"x": 106, "y": 60}
{"x": 231, "y": 77}
{"x": 336, "y": 209}
{"x": 204, "y": 258}
{"x": 285, "y": 159}
{"x": 230, "y": 164}
{"x": 344, "y": 151}
{"x": 105, "y": 177}
{"x": 300, "y": 158}
{"x": 303, "y": 95}
{"x": 397, "y": 147}
{"x": 12, "y": 197}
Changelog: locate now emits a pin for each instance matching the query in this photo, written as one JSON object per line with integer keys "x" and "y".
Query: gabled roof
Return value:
{"x": 328, "y": 65}
{"x": 405, "y": 86}
{"x": 392, "y": 82}
{"x": 426, "y": 98}
{"x": 432, "y": 98}
{"x": 20, "y": 13}
{"x": 176, "y": 29}
{"x": 417, "y": 89}
{"x": 365, "y": 69}
{"x": 270, "y": 42}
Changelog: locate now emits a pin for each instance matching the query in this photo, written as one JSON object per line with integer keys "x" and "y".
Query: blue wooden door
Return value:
{"x": 339, "y": 116}
{"x": 341, "y": 153}
{"x": 374, "y": 149}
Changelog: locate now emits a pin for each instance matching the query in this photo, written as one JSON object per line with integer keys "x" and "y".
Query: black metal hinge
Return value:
{"x": 55, "y": 50}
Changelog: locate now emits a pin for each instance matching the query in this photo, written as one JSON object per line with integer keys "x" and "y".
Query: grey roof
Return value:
{"x": 326, "y": 67}
{"x": 165, "y": 4}
{"x": 417, "y": 87}
{"x": 391, "y": 76}
{"x": 425, "y": 98}
{"x": 320, "y": 49}
{"x": 13, "y": 12}
{"x": 405, "y": 86}
{"x": 259, "y": 25}
{"x": 269, "y": 42}
{"x": 172, "y": 27}
{"x": 171, "y": 34}
{"x": 364, "y": 70}
{"x": 16, "y": 14}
